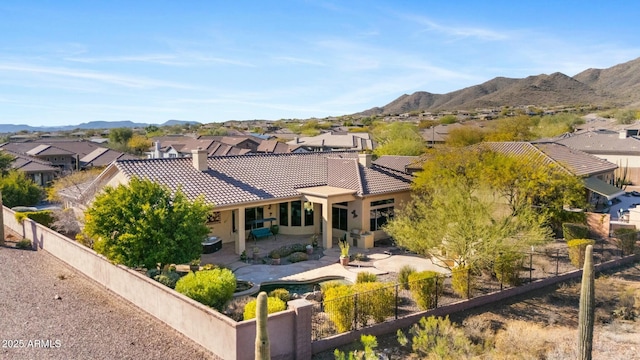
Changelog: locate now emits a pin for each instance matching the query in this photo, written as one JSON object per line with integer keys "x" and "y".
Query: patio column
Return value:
{"x": 327, "y": 235}
{"x": 242, "y": 235}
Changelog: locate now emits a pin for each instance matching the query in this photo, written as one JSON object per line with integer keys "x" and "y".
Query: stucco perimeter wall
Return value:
{"x": 214, "y": 331}
{"x": 599, "y": 224}
{"x": 392, "y": 326}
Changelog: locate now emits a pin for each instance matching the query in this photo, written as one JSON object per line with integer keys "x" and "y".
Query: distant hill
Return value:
{"x": 8, "y": 128}
{"x": 616, "y": 86}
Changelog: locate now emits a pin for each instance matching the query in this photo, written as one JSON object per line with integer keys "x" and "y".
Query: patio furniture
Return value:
{"x": 260, "y": 233}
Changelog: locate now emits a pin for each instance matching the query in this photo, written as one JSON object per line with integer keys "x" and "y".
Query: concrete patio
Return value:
{"x": 322, "y": 264}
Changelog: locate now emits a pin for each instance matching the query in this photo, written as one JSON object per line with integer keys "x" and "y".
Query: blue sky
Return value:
{"x": 68, "y": 62}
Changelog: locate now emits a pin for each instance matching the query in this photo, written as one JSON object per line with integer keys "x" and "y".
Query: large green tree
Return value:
{"x": 144, "y": 224}
{"x": 472, "y": 204}
{"x": 19, "y": 190}
{"x": 397, "y": 138}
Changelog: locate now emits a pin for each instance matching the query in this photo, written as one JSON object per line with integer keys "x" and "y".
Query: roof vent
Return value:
{"x": 365, "y": 160}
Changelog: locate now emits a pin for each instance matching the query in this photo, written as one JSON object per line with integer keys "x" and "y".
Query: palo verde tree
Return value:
{"x": 144, "y": 224}
{"x": 455, "y": 214}
{"x": 19, "y": 190}
{"x": 398, "y": 138}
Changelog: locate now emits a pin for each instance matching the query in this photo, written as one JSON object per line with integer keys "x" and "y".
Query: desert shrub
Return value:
{"x": 510, "y": 344}
{"x": 338, "y": 304}
{"x": 572, "y": 231}
{"x": 425, "y": 287}
{"x": 330, "y": 284}
{"x": 282, "y": 294}
{"x": 24, "y": 244}
{"x": 85, "y": 240}
{"x": 626, "y": 239}
{"x": 438, "y": 338}
{"x": 361, "y": 257}
{"x": 235, "y": 308}
{"x": 287, "y": 250}
{"x": 403, "y": 275}
{"x": 210, "y": 287}
{"x": 375, "y": 301}
{"x": 168, "y": 278}
{"x": 366, "y": 276}
{"x": 152, "y": 273}
{"x": 369, "y": 344}
{"x": 462, "y": 281}
{"x": 274, "y": 305}
{"x": 209, "y": 267}
{"x": 297, "y": 257}
{"x": 577, "y": 249}
{"x": 626, "y": 305}
{"x": 507, "y": 268}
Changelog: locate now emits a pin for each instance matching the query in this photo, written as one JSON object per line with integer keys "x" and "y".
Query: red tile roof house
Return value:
{"x": 332, "y": 193}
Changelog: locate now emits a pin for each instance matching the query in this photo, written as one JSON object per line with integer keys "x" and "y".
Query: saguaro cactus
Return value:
{"x": 263, "y": 349}
{"x": 587, "y": 303}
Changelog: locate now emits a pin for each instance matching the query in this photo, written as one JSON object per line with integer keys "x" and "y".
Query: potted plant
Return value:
{"x": 344, "y": 252}
{"x": 309, "y": 249}
{"x": 243, "y": 255}
{"x": 194, "y": 265}
{"x": 256, "y": 253}
{"x": 275, "y": 258}
{"x": 314, "y": 240}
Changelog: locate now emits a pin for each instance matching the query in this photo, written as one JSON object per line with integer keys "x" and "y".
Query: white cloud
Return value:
{"x": 458, "y": 31}
{"x": 125, "y": 81}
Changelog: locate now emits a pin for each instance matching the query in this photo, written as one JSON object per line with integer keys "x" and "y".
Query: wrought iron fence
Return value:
{"x": 393, "y": 301}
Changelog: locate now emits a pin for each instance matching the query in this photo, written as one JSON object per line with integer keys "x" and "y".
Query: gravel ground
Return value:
{"x": 42, "y": 298}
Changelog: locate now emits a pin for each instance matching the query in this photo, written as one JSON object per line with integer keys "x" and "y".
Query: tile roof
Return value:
{"x": 251, "y": 178}
{"x": 395, "y": 162}
{"x": 355, "y": 141}
{"x": 30, "y": 164}
{"x": 104, "y": 157}
{"x": 43, "y": 150}
{"x": 577, "y": 162}
{"x": 602, "y": 142}
{"x": 64, "y": 147}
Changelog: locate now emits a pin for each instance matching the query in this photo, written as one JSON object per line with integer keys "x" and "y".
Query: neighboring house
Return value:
{"x": 597, "y": 174}
{"x": 330, "y": 193}
{"x": 62, "y": 153}
{"x": 397, "y": 163}
{"x": 102, "y": 157}
{"x": 41, "y": 172}
{"x": 617, "y": 147}
{"x": 438, "y": 134}
{"x": 182, "y": 146}
{"x": 330, "y": 141}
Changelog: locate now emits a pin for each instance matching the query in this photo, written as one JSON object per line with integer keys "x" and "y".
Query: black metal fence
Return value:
{"x": 396, "y": 300}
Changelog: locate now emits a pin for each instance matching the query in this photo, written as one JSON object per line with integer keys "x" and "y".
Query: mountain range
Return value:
{"x": 10, "y": 128}
{"x": 617, "y": 86}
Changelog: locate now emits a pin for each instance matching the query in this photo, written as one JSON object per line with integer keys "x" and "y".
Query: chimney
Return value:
{"x": 156, "y": 150}
{"x": 199, "y": 157}
{"x": 364, "y": 160}
{"x": 622, "y": 134}
{"x": 296, "y": 139}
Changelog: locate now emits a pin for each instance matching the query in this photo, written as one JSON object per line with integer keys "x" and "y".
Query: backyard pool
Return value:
{"x": 300, "y": 287}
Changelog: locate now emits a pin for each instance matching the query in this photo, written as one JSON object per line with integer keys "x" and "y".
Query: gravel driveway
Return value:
{"x": 50, "y": 311}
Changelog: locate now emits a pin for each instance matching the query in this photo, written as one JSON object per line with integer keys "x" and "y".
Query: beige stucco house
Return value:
{"x": 325, "y": 193}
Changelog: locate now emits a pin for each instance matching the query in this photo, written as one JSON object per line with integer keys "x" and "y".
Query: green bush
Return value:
{"x": 403, "y": 276}
{"x": 462, "y": 281}
{"x": 425, "y": 287}
{"x": 438, "y": 338}
{"x": 507, "y": 268}
{"x": 577, "y": 248}
{"x": 330, "y": 284}
{"x": 282, "y": 294}
{"x": 572, "y": 231}
{"x": 169, "y": 278}
{"x": 298, "y": 256}
{"x": 338, "y": 304}
{"x": 274, "y": 305}
{"x": 152, "y": 273}
{"x": 375, "y": 301}
{"x": 626, "y": 239}
{"x": 44, "y": 217}
{"x": 24, "y": 244}
{"x": 210, "y": 287}
{"x": 365, "y": 276}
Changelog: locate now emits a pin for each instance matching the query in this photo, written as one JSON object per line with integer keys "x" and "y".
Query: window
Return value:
{"x": 284, "y": 214}
{"x": 251, "y": 214}
{"x": 296, "y": 213}
{"x": 339, "y": 216}
{"x": 381, "y": 212}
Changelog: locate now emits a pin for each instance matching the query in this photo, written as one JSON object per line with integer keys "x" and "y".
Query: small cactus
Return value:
{"x": 587, "y": 303}
{"x": 263, "y": 350}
